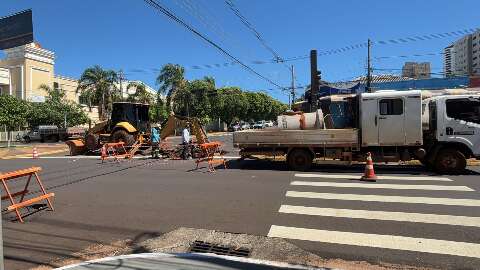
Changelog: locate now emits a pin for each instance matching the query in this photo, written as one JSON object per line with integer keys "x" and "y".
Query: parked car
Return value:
{"x": 53, "y": 133}
{"x": 245, "y": 126}
{"x": 268, "y": 124}
{"x": 234, "y": 127}
{"x": 42, "y": 133}
{"x": 259, "y": 125}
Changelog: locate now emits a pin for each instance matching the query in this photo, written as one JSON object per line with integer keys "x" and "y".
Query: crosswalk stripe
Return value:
{"x": 378, "y": 241}
{"x": 380, "y": 186}
{"x": 383, "y": 198}
{"x": 382, "y": 215}
{"x": 380, "y": 177}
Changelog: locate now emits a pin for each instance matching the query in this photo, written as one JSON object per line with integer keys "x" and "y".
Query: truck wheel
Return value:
{"x": 92, "y": 142}
{"x": 428, "y": 165}
{"x": 450, "y": 161}
{"x": 123, "y": 136}
{"x": 299, "y": 160}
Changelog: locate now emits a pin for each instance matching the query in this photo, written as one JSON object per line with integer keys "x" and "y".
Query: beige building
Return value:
{"x": 462, "y": 58}
{"x": 416, "y": 70}
{"x": 27, "y": 67}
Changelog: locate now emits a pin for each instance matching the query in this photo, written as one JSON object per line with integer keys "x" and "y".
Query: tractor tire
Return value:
{"x": 123, "y": 136}
{"x": 299, "y": 160}
{"x": 450, "y": 161}
{"x": 92, "y": 142}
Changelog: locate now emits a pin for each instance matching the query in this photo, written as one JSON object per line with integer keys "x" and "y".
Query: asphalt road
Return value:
{"x": 328, "y": 212}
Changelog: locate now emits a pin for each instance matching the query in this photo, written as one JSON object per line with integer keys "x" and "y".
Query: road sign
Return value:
{"x": 16, "y": 29}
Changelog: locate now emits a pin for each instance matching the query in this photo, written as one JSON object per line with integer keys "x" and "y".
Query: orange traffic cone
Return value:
{"x": 35, "y": 153}
{"x": 103, "y": 153}
{"x": 369, "y": 172}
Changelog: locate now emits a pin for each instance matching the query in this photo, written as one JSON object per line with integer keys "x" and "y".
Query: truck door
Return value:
{"x": 391, "y": 121}
{"x": 369, "y": 108}
{"x": 462, "y": 122}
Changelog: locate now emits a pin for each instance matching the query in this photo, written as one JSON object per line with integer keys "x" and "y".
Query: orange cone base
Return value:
{"x": 369, "y": 178}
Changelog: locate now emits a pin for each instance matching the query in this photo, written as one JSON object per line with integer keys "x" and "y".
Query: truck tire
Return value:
{"x": 123, "y": 136}
{"x": 92, "y": 142}
{"x": 450, "y": 161}
{"x": 427, "y": 164}
{"x": 299, "y": 160}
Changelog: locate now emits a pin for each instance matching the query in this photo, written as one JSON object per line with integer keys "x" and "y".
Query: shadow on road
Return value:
{"x": 50, "y": 249}
{"x": 265, "y": 164}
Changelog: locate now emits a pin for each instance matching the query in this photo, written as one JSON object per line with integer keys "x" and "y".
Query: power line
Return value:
{"x": 250, "y": 26}
{"x": 154, "y": 4}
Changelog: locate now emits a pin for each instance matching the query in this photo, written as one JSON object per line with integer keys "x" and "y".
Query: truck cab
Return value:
{"x": 391, "y": 118}
{"x": 452, "y": 133}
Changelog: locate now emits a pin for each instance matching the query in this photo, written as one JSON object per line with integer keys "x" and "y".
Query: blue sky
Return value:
{"x": 129, "y": 35}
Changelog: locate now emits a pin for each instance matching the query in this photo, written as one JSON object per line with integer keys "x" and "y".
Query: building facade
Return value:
{"x": 416, "y": 70}
{"x": 462, "y": 58}
{"x": 25, "y": 68}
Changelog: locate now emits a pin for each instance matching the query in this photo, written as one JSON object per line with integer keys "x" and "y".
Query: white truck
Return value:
{"x": 440, "y": 131}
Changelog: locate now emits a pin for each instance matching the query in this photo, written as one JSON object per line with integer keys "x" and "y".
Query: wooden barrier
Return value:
{"x": 209, "y": 150}
{"x": 112, "y": 150}
{"x": 15, "y": 175}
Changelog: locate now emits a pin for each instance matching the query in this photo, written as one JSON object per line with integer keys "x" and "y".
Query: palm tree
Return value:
{"x": 171, "y": 80}
{"x": 141, "y": 94}
{"x": 99, "y": 85}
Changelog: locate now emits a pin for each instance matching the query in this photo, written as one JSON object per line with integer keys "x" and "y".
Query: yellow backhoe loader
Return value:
{"x": 129, "y": 123}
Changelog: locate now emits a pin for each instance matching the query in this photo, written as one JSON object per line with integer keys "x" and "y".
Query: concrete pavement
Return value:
{"x": 331, "y": 214}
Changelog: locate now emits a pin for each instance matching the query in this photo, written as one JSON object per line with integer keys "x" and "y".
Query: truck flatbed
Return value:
{"x": 275, "y": 137}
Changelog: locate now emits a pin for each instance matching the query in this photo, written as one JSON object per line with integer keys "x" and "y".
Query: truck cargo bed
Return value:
{"x": 275, "y": 137}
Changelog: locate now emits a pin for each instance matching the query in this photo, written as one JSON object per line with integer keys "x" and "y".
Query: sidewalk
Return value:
{"x": 26, "y": 150}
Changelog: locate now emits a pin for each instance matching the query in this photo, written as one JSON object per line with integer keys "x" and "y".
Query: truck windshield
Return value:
{"x": 467, "y": 109}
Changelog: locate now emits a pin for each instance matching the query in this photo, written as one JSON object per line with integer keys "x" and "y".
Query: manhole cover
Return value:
{"x": 204, "y": 247}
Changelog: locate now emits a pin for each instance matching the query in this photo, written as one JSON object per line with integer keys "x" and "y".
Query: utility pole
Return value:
{"x": 293, "y": 86}
{"x": 369, "y": 69}
{"x": 314, "y": 80}
{"x": 120, "y": 79}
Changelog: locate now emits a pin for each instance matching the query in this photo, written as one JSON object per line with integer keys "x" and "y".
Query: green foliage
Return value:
{"x": 98, "y": 86}
{"x": 158, "y": 110}
{"x": 201, "y": 99}
{"x": 172, "y": 83}
{"x": 230, "y": 104}
{"x": 13, "y": 112}
{"x": 54, "y": 110}
{"x": 141, "y": 94}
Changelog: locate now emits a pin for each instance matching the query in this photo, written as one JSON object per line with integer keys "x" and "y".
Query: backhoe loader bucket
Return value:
{"x": 77, "y": 147}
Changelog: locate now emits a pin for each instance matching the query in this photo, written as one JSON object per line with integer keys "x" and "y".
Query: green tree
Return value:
{"x": 202, "y": 95}
{"x": 231, "y": 104}
{"x": 171, "y": 81}
{"x": 141, "y": 94}
{"x": 55, "y": 110}
{"x": 98, "y": 85}
{"x": 13, "y": 113}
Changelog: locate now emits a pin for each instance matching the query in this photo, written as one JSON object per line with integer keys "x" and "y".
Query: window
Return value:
{"x": 82, "y": 99}
{"x": 467, "y": 109}
{"x": 391, "y": 106}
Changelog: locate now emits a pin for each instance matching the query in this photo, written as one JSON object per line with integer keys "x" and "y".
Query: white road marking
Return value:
{"x": 382, "y": 215}
{"x": 380, "y": 186}
{"x": 382, "y": 198}
{"x": 379, "y": 177}
{"x": 378, "y": 241}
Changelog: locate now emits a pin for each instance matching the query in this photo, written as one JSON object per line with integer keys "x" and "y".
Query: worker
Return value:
{"x": 155, "y": 139}
{"x": 186, "y": 142}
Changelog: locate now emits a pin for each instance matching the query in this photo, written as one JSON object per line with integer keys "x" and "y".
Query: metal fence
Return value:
{"x": 18, "y": 131}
